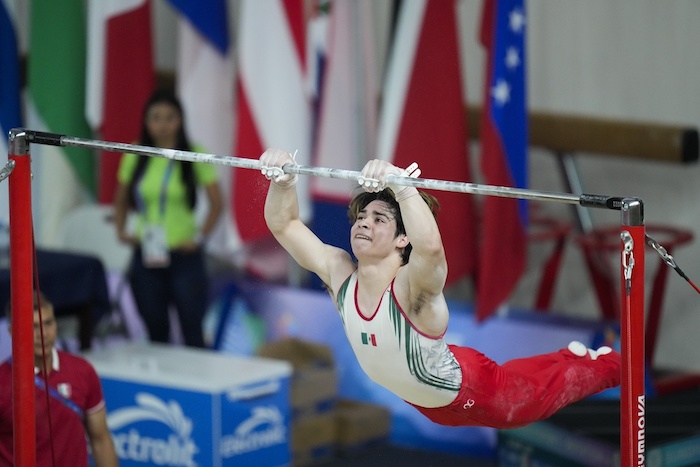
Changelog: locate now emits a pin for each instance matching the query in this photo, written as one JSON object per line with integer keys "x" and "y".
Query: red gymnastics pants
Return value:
{"x": 524, "y": 390}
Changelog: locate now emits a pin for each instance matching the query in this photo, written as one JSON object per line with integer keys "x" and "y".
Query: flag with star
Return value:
{"x": 504, "y": 144}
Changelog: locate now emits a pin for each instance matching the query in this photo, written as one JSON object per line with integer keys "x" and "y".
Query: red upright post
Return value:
{"x": 24, "y": 426}
{"x": 632, "y": 399}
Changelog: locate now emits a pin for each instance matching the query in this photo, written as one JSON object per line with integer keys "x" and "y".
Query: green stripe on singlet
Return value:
{"x": 396, "y": 318}
{"x": 414, "y": 353}
{"x": 417, "y": 366}
{"x": 340, "y": 299}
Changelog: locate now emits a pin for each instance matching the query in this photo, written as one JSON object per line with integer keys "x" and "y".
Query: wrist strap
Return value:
{"x": 406, "y": 193}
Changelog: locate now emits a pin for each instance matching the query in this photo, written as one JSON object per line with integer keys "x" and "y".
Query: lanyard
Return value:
{"x": 140, "y": 204}
{"x": 41, "y": 384}
{"x": 58, "y": 396}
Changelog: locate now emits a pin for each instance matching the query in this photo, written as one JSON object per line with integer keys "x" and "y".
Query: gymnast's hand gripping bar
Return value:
{"x": 585, "y": 200}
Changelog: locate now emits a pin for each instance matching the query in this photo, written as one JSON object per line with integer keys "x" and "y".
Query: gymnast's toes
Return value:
{"x": 580, "y": 350}
{"x": 604, "y": 350}
{"x": 577, "y": 348}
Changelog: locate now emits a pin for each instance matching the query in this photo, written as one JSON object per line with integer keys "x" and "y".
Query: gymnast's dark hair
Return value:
{"x": 159, "y": 97}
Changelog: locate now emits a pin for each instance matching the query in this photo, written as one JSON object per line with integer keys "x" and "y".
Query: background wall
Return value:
{"x": 632, "y": 60}
{"x": 622, "y": 59}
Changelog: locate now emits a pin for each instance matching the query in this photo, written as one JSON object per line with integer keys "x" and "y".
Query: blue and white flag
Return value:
{"x": 10, "y": 110}
{"x": 206, "y": 86}
{"x": 504, "y": 147}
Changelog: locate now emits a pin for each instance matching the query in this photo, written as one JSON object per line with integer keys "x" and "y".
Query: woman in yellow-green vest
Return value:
{"x": 167, "y": 266}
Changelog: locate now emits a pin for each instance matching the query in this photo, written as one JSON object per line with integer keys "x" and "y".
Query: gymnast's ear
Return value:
{"x": 402, "y": 241}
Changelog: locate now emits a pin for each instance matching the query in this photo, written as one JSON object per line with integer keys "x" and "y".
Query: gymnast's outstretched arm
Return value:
{"x": 419, "y": 284}
{"x": 333, "y": 265}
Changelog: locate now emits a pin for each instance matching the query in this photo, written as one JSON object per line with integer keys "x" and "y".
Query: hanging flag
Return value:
{"x": 10, "y": 89}
{"x": 504, "y": 142}
{"x": 205, "y": 85}
{"x": 64, "y": 177}
{"x": 273, "y": 107}
{"x": 346, "y": 127}
{"x": 316, "y": 53}
{"x": 205, "y": 79}
{"x": 423, "y": 117}
{"x": 120, "y": 77}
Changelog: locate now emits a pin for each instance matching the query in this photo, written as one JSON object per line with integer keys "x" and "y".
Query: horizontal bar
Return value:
{"x": 586, "y": 200}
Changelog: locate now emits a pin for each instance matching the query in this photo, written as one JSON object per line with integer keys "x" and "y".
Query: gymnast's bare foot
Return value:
{"x": 580, "y": 350}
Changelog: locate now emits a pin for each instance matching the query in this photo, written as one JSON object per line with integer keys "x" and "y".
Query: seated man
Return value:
{"x": 75, "y": 402}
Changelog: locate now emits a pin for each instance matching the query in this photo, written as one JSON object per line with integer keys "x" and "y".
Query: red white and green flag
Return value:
{"x": 64, "y": 177}
{"x": 120, "y": 77}
{"x": 369, "y": 339}
{"x": 273, "y": 110}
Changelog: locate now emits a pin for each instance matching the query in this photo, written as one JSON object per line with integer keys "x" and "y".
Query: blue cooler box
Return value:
{"x": 178, "y": 406}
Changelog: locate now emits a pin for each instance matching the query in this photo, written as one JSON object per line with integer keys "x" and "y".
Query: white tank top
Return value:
{"x": 420, "y": 369}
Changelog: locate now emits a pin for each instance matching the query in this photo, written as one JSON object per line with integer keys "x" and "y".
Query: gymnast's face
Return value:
{"x": 163, "y": 122}
{"x": 374, "y": 231}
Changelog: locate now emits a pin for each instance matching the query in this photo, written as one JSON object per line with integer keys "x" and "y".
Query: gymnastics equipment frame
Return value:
{"x": 632, "y": 236}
